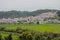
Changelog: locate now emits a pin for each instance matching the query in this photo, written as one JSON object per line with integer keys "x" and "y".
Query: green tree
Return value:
{"x": 37, "y": 22}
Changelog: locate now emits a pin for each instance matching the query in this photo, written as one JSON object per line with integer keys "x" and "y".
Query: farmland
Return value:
{"x": 37, "y": 28}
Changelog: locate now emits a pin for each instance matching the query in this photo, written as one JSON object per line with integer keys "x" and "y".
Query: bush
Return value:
{"x": 26, "y": 36}
{"x": 9, "y": 37}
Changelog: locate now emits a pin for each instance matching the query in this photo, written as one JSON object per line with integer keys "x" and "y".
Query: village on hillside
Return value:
{"x": 44, "y": 18}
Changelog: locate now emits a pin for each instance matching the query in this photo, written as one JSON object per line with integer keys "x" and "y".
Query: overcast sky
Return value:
{"x": 28, "y": 5}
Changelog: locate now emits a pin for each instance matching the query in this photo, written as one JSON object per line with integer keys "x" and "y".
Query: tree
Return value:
{"x": 37, "y": 22}
{"x": 58, "y": 13}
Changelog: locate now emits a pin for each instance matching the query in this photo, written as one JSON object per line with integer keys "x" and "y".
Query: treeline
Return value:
{"x": 18, "y": 14}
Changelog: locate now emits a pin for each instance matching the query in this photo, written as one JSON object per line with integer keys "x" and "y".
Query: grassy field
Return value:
{"x": 55, "y": 28}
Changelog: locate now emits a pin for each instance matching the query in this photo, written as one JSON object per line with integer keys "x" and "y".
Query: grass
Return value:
{"x": 55, "y": 28}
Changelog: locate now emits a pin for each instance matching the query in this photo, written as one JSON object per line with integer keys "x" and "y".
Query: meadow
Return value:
{"x": 55, "y": 28}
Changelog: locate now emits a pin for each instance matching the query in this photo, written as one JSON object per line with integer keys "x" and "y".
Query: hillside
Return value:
{"x": 15, "y": 14}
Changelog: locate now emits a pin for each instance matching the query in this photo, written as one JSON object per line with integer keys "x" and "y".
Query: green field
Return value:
{"x": 55, "y": 28}
{"x": 38, "y": 28}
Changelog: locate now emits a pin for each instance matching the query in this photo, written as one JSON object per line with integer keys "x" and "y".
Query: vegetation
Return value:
{"x": 17, "y": 14}
{"x": 34, "y": 27}
{"x": 58, "y": 13}
{"x": 29, "y": 31}
{"x": 30, "y": 36}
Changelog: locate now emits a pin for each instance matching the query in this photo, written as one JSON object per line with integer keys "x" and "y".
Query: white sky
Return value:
{"x": 28, "y": 5}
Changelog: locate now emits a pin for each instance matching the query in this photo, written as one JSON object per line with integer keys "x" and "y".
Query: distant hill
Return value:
{"x": 17, "y": 14}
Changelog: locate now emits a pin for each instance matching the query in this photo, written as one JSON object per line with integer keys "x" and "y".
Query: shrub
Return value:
{"x": 26, "y": 36}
